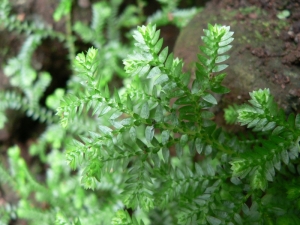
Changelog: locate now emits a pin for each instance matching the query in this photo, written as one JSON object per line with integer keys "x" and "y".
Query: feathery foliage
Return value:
{"x": 56, "y": 197}
{"x": 150, "y": 152}
{"x": 151, "y": 131}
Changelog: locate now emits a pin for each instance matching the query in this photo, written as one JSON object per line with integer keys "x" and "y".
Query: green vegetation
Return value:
{"x": 150, "y": 152}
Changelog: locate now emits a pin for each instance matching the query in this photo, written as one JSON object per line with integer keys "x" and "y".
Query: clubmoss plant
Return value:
{"x": 49, "y": 192}
{"x": 150, "y": 152}
{"x": 151, "y": 132}
{"x": 105, "y": 32}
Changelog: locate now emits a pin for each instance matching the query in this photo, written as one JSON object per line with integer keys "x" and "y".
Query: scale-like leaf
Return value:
{"x": 169, "y": 62}
{"x": 145, "y": 111}
{"x": 166, "y": 154}
{"x": 155, "y": 37}
{"x": 115, "y": 115}
{"x": 149, "y": 133}
{"x": 183, "y": 140}
{"x": 224, "y": 49}
{"x": 204, "y": 61}
{"x": 155, "y": 71}
{"x": 213, "y": 220}
{"x": 199, "y": 145}
{"x": 165, "y": 137}
{"x": 163, "y": 55}
{"x": 227, "y": 35}
{"x": 225, "y": 42}
{"x": 161, "y": 79}
{"x": 278, "y": 130}
{"x": 207, "y": 115}
{"x": 285, "y": 157}
{"x": 297, "y": 121}
{"x": 209, "y": 98}
{"x": 132, "y": 133}
{"x": 269, "y": 126}
{"x": 219, "y": 68}
{"x": 158, "y": 46}
{"x": 129, "y": 103}
{"x": 159, "y": 113}
{"x": 221, "y": 58}
{"x": 106, "y": 130}
{"x": 117, "y": 97}
{"x": 178, "y": 149}
{"x": 207, "y": 150}
{"x": 207, "y": 51}
{"x": 185, "y": 78}
{"x": 178, "y": 70}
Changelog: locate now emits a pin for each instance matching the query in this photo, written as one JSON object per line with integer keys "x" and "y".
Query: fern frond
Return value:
{"x": 19, "y": 69}
{"x": 6, "y": 178}
{"x": 129, "y": 17}
{"x": 282, "y": 144}
{"x": 15, "y": 101}
{"x": 35, "y": 215}
{"x": 4, "y": 215}
{"x": 11, "y": 22}
{"x": 32, "y": 84}
{"x": 62, "y": 220}
{"x": 168, "y": 5}
{"x": 217, "y": 41}
{"x": 138, "y": 191}
{"x": 231, "y": 114}
{"x": 95, "y": 33}
{"x": 113, "y": 33}
{"x": 148, "y": 133}
{"x": 63, "y": 8}
{"x": 153, "y": 73}
{"x": 262, "y": 114}
{"x": 123, "y": 218}
{"x": 178, "y": 17}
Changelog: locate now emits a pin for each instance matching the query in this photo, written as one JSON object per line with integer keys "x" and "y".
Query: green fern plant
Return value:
{"x": 104, "y": 33}
{"x": 151, "y": 131}
{"x": 150, "y": 152}
{"x": 58, "y": 198}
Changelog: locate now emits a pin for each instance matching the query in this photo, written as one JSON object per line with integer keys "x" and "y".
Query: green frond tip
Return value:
{"x": 231, "y": 114}
{"x": 217, "y": 41}
{"x": 53, "y": 100}
{"x": 242, "y": 168}
{"x": 121, "y": 218}
{"x": 261, "y": 112}
{"x": 147, "y": 42}
{"x": 261, "y": 98}
{"x": 86, "y": 63}
{"x": 64, "y": 8}
{"x": 220, "y": 31}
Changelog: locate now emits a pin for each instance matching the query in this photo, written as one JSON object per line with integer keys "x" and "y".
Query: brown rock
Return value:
{"x": 258, "y": 50}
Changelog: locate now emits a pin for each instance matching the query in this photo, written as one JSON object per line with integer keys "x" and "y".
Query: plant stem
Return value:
{"x": 70, "y": 38}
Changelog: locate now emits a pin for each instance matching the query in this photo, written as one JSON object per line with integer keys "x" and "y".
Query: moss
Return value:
{"x": 250, "y": 9}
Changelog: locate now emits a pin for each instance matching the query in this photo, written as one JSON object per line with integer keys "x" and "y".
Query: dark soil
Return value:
{"x": 265, "y": 52}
